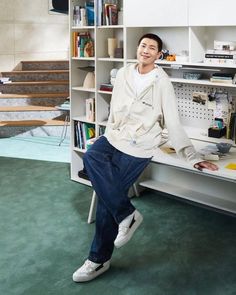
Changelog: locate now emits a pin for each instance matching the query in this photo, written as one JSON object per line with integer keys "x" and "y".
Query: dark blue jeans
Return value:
{"x": 111, "y": 173}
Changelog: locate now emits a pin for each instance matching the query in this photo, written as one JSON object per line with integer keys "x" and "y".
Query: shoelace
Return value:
{"x": 89, "y": 266}
{"x": 123, "y": 229}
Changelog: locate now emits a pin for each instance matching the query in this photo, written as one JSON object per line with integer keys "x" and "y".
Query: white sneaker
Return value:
{"x": 127, "y": 227}
{"x": 89, "y": 271}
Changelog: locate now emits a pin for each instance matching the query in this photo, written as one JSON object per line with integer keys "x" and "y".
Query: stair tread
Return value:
{"x": 46, "y": 61}
{"x": 28, "y": 108}
{"x": 34, "y": 95}
{"x": 35, "y": 71}
{"x": 35, "y": 122}
{"x": 38, "y": 82}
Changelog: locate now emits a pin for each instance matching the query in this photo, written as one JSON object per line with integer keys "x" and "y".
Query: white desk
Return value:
{"x": 169, "y": 174}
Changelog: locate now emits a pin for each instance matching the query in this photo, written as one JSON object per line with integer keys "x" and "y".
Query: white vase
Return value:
{"x": 111, "y": 46}
{"x": 89, "y": 81}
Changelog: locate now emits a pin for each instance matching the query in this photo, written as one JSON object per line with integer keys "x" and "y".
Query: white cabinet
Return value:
{"x": 212, "y": 13}
{"x": 155, "y": 13}
{"x": 169, "y": 20}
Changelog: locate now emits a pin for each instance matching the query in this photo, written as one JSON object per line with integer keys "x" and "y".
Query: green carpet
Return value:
{"x": 180, "y": 249}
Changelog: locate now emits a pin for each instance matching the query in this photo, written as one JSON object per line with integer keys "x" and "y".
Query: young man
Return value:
{"x": 143, "y": 100}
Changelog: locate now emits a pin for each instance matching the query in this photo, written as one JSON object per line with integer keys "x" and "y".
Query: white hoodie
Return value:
{"x": 136, "y": 121}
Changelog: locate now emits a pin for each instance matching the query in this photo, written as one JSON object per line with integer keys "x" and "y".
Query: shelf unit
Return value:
{"x": 102, "y": 64}
{"x": 179, "y": 33}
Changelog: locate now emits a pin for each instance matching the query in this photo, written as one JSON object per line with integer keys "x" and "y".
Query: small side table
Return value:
{"x": 66, "y": 122}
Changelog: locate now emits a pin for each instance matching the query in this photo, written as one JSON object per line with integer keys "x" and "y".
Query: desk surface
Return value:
{"x": 174, "y": 160}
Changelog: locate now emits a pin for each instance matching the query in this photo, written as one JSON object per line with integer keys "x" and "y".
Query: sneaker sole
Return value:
{"x": 138, "y": 221}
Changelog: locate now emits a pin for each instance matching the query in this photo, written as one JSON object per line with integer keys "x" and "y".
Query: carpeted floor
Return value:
{"x": 180, "y": 249}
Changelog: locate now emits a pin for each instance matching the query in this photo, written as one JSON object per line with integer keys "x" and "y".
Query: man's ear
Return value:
{"x": 159, "y": 54}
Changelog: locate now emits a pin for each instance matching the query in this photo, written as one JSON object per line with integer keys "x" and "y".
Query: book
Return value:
{"x": 222, "y": 78}
{"x": 106, "y": 87}
{"x": 101, "y": 130}
{"x": 225, "y": 56}
{"x": 222, "y": 61}
{"x": 78, "y": 135}
{"x": 224, "y": 45}
{"x": 113, "y": 14}
{"x": 223, "y": 75}
{"x": 88, "y": 132}
{"x": 74, "y": 44}
{"x": 218, "y": 80}
{"x": 83, "y": 45}
{"x": 89, "y": 6}
{"x": 218, "y": 51}
{"x": 90, "y": 109}
{"x": 76, "y": 16}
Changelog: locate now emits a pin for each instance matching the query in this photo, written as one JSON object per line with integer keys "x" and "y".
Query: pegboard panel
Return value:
{"x": 196, "y": 114}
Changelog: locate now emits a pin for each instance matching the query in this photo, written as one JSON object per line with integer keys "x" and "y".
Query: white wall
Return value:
{"x": 29, "y": 32}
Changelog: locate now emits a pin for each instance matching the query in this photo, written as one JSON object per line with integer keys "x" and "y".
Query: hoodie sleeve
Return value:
{"x": 179, "y": 139}
{"x": 114, "y": 96}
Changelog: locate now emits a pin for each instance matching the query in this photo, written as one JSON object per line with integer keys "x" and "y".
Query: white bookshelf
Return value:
{"x": 183, "y": 26}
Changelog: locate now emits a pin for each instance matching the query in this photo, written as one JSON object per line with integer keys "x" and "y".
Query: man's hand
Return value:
{"x": 206, "y": 165}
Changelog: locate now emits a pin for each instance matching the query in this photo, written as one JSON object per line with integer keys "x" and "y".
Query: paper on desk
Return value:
{"x": 231, "y": 166}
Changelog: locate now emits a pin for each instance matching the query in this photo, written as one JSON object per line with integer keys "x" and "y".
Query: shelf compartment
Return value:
{"x": 103, "y": 107}
{"x": 102, "y": 43}
{"x": 175, "y": 39}
{"x": 202, "y": 82}
{"x": 191, "y": 195}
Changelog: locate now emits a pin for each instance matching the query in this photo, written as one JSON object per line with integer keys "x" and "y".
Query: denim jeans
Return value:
{"x": 111, "y": 173}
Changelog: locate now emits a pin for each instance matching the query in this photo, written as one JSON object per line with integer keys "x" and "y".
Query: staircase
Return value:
{"x": 28, "y": 103}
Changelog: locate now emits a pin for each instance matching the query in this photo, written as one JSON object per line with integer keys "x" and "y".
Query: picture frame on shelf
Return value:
{"x": 58, "y": 7}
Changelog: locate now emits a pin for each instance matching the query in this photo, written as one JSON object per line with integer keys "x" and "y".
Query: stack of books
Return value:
{"x": 222, "y": 78}
{"x": 84, "y": 133}
{"x": 83, "y": 45}
{"x": 216, "y": 56}
{"x": 107, "y": 12}
{"x": 83, "y": 15}
{"x": 106, "y": 87}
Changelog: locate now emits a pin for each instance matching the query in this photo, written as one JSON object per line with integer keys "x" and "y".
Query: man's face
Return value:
{"x": 147, "y": 51}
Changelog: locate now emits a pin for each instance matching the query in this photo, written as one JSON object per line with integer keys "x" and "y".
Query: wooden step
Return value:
{"x": 31, "y": 123}
{"x": 36, "y": 75}
{"x": 45, "y": 65}
{"x": 34, "y": 72}
{"x": 45, "y": 61}
{"x": 26, "y": 108}
{"x": 34, "y": 95}
{"x": 38, "y": 83}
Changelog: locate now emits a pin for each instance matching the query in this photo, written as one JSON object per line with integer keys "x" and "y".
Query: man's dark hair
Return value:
{"x": 153, "y": 37}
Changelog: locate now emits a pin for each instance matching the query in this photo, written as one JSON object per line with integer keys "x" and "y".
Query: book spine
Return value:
{"x": 90, "y": 112}
{"x": 221, "y": 81}
{"x": 219, "y": 61}
{"x": 224, "y": 56}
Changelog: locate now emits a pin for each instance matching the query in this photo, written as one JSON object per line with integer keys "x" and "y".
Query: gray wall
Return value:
{"x": 29, "y": 32}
